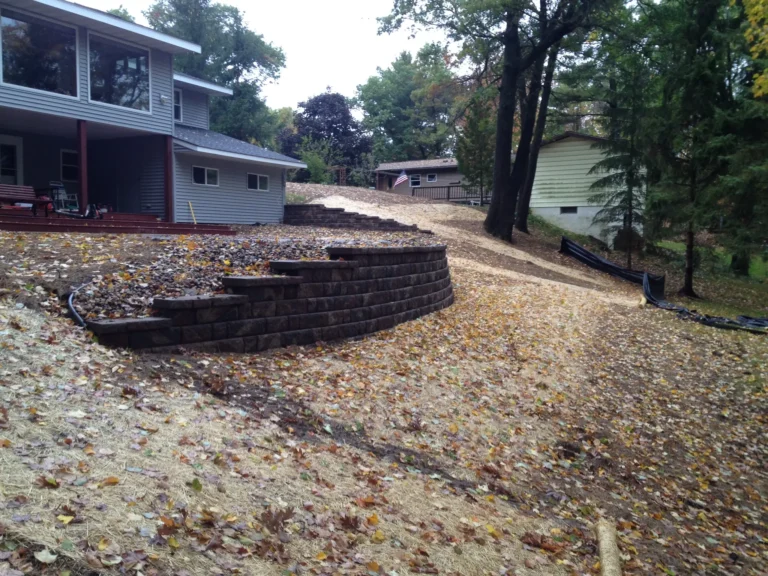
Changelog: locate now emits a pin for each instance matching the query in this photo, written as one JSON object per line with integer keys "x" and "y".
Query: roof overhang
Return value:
{"x": 197, "y": 85}
{"x": 425, "y": 169}
{"x": 200, "y": 151}
{"x": 571, "y": 134}
{"x": 99, "y": 21}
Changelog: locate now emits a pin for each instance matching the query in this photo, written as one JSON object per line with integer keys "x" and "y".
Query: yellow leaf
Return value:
{"x": 373, "y": 519}
{"x": 172, "y": 542}
{"x": 373, "y": 566}
{"x": 5, "y": 443}
{"x": 65, "y": 519}
{"x": 103, "y": 544}
{"x": 321, "y": 556}
{"x": 378, "y": 537}
{"x": 89, "y": 450}
{"x": 453, "y": 429}
{"x": 110, "y": 481}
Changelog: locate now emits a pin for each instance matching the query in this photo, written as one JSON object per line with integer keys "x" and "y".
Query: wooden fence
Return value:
{"x": 452, "y": 194}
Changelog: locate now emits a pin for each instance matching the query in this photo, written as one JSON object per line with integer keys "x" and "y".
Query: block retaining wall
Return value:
{"x": 358, "y": 291}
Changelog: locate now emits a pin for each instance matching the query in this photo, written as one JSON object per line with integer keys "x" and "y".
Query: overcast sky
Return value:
{"x": 326, "y": 43}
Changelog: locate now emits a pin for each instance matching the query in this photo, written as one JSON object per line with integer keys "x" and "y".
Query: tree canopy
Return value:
{"x": 232, "y": 55}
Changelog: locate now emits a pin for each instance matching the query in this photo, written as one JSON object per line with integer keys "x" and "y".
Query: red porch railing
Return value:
{"x": 452, "y": 194}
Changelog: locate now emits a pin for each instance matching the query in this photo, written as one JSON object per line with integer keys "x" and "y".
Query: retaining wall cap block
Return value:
{"x": 311, "y": 264}
{"x": 197, "y": 302}
{"x": 351, "y": 251}
{"x": 256, "y": 281}
{"x": 118, "y": 325}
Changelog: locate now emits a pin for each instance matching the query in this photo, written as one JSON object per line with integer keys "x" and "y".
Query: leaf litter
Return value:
{"x": 484, "y": 439}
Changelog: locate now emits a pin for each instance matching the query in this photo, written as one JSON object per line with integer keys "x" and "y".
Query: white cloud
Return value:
{"x": 332, "y": 43}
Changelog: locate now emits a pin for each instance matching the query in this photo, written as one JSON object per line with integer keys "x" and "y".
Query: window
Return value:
{"x": 177, "y": 105}
{"x": 39, "y": 54}
{"x": 258, "y": 182}
{"x": 70, "y": 166}
{"x": 119, "y": 74}
{"x": 569, "y": 210}
{"x": 415, "y": 180}
{"x": 431, "y": 177}
{"x": 205, "y": 176}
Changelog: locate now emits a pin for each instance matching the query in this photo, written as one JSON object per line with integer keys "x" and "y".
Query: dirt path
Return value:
{"x": 437, "y": 217}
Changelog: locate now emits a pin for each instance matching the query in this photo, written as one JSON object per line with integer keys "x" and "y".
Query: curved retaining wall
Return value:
{"x": 358, "y": 291}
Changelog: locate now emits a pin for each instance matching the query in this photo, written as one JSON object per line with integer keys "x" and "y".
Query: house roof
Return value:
{"x": 98, "y": 21}
{"x": 185, "y": 80}
{"x": 571, "y": 134}
{"x": 417, "y": 164}
{"x": 211, "y": 143}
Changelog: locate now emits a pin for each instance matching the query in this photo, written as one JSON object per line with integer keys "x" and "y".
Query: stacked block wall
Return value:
{"x": 359, "y": 291}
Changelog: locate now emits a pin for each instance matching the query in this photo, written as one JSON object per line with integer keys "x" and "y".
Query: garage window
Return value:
{"x": 415, "y": 180}
{"x": 205, "y": 176}
{"x": 569, "y": 210}
{"x": 258, "y": 182}
{"x": 431, "y": 177}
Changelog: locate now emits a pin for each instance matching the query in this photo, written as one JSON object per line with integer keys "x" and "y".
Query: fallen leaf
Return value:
{"x": 378, "y": 537}
{"x": 45, "y": 556}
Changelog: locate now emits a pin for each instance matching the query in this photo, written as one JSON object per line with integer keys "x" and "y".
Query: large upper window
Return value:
{"x": 39, "y": 54}
{"x": 177, "y": 105}
{"x": 119, "y": 74}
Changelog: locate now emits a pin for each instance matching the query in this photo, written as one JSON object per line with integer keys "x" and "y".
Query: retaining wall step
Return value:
{"x": 320, "y": 216}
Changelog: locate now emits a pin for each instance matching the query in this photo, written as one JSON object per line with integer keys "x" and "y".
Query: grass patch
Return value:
{"x": 549, "y": 231}
{"x": 295, "y": 199}
{"x": 722, "y": 293}
{"x": 720, "y": 259}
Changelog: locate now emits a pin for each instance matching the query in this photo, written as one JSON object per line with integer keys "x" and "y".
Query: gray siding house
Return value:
{"x": 92, "y": 101}
{"x": 421, "y": 174}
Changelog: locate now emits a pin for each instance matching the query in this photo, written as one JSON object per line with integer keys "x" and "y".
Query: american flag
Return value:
{"x": 400, "y": 179}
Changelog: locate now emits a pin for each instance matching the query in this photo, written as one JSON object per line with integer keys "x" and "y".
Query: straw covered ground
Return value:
{"x": 484, "y": 439}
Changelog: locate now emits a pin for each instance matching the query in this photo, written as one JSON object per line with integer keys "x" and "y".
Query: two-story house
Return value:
{"x": 93, "y": 101}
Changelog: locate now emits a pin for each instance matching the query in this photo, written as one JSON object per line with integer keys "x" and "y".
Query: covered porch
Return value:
{"x": 123, "y": 171}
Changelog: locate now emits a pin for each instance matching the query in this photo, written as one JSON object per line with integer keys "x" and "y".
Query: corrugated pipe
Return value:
{"x": 71, "y": 305}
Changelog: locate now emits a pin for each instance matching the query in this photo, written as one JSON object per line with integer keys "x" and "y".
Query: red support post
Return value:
{"x": 82, "y": 155}
{"x": 168, "y": 180}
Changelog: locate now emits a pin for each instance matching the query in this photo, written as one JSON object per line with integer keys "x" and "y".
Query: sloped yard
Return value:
{"x": 484, "y": 439}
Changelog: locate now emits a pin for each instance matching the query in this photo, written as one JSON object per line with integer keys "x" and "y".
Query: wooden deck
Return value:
{"x": 12, "y": 220}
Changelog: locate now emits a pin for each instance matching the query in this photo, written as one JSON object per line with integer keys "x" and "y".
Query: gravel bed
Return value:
{"x": 193, "y": 265}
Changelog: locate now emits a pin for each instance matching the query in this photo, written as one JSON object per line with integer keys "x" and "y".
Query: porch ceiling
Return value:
{"x": 23, "y": 121}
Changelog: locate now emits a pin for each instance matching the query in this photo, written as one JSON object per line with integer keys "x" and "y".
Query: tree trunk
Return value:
{"x": 689, "y": 250}
{"x": 527, "y": 125}
{"x": 630, "y": 235}
{"x": 501, "y": 216}
{"x": 687, "y": 289}
{"x": 524, "y": 201}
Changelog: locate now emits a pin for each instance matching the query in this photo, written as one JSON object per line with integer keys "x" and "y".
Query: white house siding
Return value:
{"x": 563, "y": 181}
{"x": 194, "y": 109}
{"x": 160, "y": 120}
{"x": 231, "y": 202}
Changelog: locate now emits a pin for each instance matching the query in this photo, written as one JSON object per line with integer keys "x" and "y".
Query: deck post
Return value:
{"x": 168, "y": 179}
{"x": 82, "y": 157}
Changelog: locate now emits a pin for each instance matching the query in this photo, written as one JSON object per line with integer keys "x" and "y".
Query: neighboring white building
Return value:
{"x": 562, "y": 186}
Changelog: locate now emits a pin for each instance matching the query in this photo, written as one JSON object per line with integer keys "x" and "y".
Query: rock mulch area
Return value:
{"x": 192, "y": 266}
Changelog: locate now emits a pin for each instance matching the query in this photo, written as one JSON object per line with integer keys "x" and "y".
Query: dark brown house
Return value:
{"x": 421, "y": 174}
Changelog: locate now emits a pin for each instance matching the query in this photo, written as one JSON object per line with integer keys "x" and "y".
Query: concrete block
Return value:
{"x": 196, "y": 333}
{"x": 251, "y": 327}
